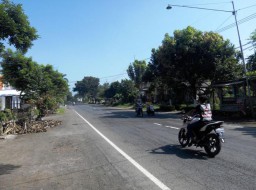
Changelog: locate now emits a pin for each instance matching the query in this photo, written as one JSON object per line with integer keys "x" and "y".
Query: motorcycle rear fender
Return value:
{"x": 212, "y": 126}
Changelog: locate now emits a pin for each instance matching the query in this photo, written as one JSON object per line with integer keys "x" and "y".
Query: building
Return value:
{"x": 9, "y": 97}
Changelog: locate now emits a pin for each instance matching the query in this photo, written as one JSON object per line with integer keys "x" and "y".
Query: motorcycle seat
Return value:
{"x": 214, "y": 123}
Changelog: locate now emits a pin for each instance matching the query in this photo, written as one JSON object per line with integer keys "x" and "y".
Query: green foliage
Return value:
{"x": 251, "y": 60}
{"x": 253, "y": 38}
{"x": 124, "y": 91}
{"x": 136, "y": 71}
{"x": 251, "y": 63}
{"x": 164, "y": 107}
{"x": 191, "y": 57}
{"x": 15, "y": 27}
{"x": 3, "y": 117}
{"x": 6, "y": 115}
{"x": 251, "y": 73}
{"x": 60, "y": 111}
{"x": 39, "y": 84}
{"x": 87, "y": 87}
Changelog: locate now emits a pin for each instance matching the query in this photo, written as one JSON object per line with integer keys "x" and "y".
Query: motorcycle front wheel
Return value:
{"x": 183, "y": 138}
{"x": 213, "y": 145}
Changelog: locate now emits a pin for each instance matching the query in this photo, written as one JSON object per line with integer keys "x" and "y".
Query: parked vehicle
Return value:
{"x": 210, "y": 136}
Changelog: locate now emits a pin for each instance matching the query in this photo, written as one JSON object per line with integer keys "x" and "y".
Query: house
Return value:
{"x": 9, "y": 97}
{"x": 235, "y": 96}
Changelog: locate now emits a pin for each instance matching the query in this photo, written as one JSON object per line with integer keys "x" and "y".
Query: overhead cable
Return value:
{"x": 246, "y": 19}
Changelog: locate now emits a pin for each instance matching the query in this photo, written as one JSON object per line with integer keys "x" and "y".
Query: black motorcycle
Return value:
{"x": 210, "y": 136}
{"x": 139, "y": 111}
{"x": 150, "y": 110}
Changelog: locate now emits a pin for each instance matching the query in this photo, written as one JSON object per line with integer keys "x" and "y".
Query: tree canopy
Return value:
{"x": 136, "y": 71}
{"x": 251, "y": 60}
{"x": 88, "y": 86}
{"x": 39, "y": 84}
{"x": 15, "y": 27}
{"x": 191, "y": 57}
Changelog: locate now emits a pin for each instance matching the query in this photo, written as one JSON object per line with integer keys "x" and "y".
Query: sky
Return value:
{"x": 101, "y": 38}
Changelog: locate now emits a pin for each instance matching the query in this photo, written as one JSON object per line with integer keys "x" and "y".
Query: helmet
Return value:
{"x": 202, "y": 98}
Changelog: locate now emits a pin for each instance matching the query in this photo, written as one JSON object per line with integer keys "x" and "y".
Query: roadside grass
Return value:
{"x": 60, "y": 110}
{"x": 126, "y": 105}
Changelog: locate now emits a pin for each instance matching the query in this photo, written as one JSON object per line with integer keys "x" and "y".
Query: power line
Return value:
{"x": 224, "y": 21}
{"x": 247, "y": 7}
{"x": 248, "y": 47}
{"x": 113, "y": 75}
{"x": 244, "y": 45}
{"x": 246, "y": 19}
{"x": 103, "y": 77}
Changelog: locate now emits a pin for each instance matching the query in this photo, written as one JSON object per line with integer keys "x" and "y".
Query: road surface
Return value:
{"x": 101, "y": 148}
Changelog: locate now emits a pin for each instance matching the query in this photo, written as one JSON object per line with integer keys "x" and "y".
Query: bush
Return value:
{"x": 180, "y": 106}
{"x": 3, "y": 117}
{"x": 166, "y": 108}
{"x": 188, "y": 108}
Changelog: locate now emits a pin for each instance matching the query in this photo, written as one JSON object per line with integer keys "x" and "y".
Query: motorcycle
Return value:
{"x": 150, "y": 110}
{"x": 139, "y": 111}
{"x": 210, "y": 136}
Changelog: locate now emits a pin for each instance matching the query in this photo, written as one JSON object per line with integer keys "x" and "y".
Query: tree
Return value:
{"x": 15, "y": 27}
{"x": 113, "y": 89}
{"x": 136, "y": 71}
{"x": 192, "y": 57}
{"x": 102, "y": 89}
{"x": 128, "y": 91}
{"x": 251, "y": 63}
{"x": 122, "y": 92}
{"x": 87, "y": 87}
{"x": 39, "y": 84}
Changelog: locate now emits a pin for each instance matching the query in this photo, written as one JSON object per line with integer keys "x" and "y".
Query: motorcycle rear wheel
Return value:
{"x": 213, "y": 145}
{"x": 183, "y": 138}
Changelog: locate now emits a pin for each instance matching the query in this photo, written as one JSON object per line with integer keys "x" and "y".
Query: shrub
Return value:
{"x": 166, "y": 108}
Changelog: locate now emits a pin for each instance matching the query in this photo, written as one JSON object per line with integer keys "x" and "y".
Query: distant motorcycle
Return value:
{"x": 210, "y": 136}
{"x": 139, "y": 111}
{"x": 150, "y": 110}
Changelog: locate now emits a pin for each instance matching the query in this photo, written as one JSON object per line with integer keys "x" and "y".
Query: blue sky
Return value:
{"x": 101, "y": 38}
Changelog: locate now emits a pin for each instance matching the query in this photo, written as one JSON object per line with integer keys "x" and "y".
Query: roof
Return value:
{"x": 9, "y": 93}
{"x": 228, "y": 83}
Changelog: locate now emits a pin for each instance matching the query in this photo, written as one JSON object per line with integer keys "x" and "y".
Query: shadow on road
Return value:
{"x": 131, "y": 114}
{"x": 247, "y": 131}
{"x": 180, "y": 152}
{"x": 7, "y": 168}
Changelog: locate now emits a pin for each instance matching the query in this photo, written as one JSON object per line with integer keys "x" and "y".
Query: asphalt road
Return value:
{"x": 106, "y": 148}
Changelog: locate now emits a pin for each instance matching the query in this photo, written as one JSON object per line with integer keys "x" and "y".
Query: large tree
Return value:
{"x": 15, "y": 27}
{"x": 88, "y": 86}
{"x": 39, "y": 84}
{"x": 125, "y": 91}
{"x": 251, "y": 61}
{"x": 136, "y": 71}
{"x": 191, "y": 57}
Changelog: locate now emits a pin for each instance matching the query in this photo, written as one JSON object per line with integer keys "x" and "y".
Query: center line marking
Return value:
{"x": 130, "y": 159}
{"x": 157, "y": 124}
{"x": 172, "y": 127}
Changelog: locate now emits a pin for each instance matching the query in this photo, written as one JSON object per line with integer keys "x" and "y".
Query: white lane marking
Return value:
{"x": 172, "y": 127}
{"x": 130, "y": 159}
{"x": 167, "y": 126}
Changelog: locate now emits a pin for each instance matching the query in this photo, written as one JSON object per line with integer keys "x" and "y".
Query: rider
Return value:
{"x": 202, "y": 113}
{"x": 138, "y": 104}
